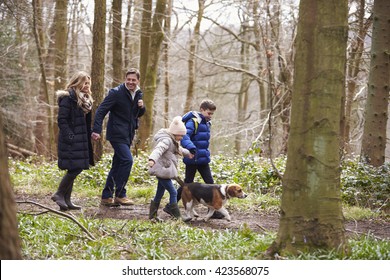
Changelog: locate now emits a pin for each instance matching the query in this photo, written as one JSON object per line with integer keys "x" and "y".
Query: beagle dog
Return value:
{"x": 214, "y": 196}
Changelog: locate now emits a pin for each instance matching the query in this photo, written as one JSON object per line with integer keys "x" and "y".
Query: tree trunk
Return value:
{"x": 44, "y": 128}
{"x": 128, "y": 54}
{"x": 145, "y": 42}
{"x": 150, "y": 82}
{"x": 263, "y": 100}
{"x": 165, "y": 58}
{"x": 374, "y": 136}
{"x": 353, "y": 69}
{"x": 61, "y": 36}
{"x": 97, "y": 68}
{"x": 242, "y": 103}
{"x": 60, "y": 61}
{"x": 10, "y": 248}
{"x": 117, "y": 69}
{"x": 311, "y": 214}
{"x": 192, "y": 59}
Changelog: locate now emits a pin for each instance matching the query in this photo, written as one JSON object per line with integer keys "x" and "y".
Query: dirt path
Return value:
{"x": 257, "y": 221}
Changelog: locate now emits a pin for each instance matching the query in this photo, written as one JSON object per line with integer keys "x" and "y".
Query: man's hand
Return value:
{"x": 140, "y": 103}
{"x": 95, "y": 136}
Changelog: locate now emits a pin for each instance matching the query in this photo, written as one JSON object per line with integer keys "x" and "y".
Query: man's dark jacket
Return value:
{"x": 123, "y": 117}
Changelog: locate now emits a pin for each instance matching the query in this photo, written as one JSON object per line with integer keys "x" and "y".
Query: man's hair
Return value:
{"x": 207, "y": 104}
{"x": 133, "y": 71}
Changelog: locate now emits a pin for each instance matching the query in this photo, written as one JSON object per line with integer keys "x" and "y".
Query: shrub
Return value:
{"x": 364, "y": 185}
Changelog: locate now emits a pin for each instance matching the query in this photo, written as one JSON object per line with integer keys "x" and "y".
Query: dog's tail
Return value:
{"x": 180, "y": 181}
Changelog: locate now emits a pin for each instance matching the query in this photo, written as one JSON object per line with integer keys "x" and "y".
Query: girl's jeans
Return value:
{"x": 165, "y": 184}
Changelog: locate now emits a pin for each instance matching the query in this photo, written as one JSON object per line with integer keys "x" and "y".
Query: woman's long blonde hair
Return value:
{"x": 77, "y": 81}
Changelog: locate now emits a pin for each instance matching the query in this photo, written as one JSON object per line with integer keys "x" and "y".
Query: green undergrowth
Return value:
{"x": 52, "y": 237}
{"x": 364, "y": 190}
{"x": 362, "y": 186}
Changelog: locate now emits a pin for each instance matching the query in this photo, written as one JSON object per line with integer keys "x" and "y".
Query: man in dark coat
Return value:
{"x": 125, "y": 105}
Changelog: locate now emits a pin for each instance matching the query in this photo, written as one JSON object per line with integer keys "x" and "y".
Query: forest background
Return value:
{"x": 241, "y": 54}
{"x": 237, "y": 53}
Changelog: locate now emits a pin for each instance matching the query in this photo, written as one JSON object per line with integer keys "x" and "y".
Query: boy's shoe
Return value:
{"x": 123, "y": 201}
{"x": 108, "y": 202}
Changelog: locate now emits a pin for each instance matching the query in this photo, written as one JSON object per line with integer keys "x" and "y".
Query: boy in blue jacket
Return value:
{"x": 197, "y": 141}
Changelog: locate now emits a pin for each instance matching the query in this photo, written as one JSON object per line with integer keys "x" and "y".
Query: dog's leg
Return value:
{"x": 196, "y": 215}
{"x": 209, "y": 214}
{"x": 189, "y": 208}
{"x": 224, "y": 212}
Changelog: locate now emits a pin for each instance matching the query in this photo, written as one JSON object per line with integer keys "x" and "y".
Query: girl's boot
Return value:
{"x": 174, "y": 211}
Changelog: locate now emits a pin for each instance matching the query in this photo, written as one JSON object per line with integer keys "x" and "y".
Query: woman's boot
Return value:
{"x": 59, "y": 196}
{"x": 68, "y": 202}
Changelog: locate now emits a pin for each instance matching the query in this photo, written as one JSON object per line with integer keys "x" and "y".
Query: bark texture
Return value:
{"x": 311, "y": 214}
{"x": 374, "y": 136}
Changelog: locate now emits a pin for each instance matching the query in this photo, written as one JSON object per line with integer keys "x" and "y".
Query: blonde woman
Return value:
{"x": 74, "y": 137}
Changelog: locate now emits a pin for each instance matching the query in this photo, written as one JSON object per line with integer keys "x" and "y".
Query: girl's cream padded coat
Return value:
{"x": 165, "y": 155}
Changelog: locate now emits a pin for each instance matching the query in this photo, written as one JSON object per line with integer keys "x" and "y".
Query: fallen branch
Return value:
{"x": 20, "y": 151}
{"x": 60, "y": 214}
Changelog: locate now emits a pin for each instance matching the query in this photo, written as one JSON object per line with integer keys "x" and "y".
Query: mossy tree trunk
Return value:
{"x": 117, "y": 68}
{"x": 374, "y": 136}
{"x": 60, "y": 61}
{"x": 97, "y": 68}
{"x": 311, "y": 214}
{"x": 10, "y": 248}
{"x": 150, "y": 79}
{"x": 146, "y": 24}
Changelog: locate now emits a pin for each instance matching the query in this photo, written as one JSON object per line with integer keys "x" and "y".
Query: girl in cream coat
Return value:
{"x": 163, "y": 163}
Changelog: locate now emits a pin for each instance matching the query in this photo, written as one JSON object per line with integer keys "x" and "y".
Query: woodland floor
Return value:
{"x": 257, "y": 221}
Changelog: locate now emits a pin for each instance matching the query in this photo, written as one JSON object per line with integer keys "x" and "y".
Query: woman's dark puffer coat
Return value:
{"x": 74, "y": 137}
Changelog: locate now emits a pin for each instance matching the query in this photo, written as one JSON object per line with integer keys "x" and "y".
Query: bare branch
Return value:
{"x": 60, "y": 214}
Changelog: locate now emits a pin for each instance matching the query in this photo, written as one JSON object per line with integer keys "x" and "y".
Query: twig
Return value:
{"x": 363, "y": 233}
{"x": 33, "y": 214}
{"x": 263, "y": 228}
{"x": 60, "y": 214}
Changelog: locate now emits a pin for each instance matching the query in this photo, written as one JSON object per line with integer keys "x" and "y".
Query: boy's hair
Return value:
{"x": 207, "y": 104}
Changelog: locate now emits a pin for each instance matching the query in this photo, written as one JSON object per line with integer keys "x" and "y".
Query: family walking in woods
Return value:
{"x": 187, "y": 136}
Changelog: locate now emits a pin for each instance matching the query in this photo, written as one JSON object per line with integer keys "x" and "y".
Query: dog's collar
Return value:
{"x": 224, "y": 192}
